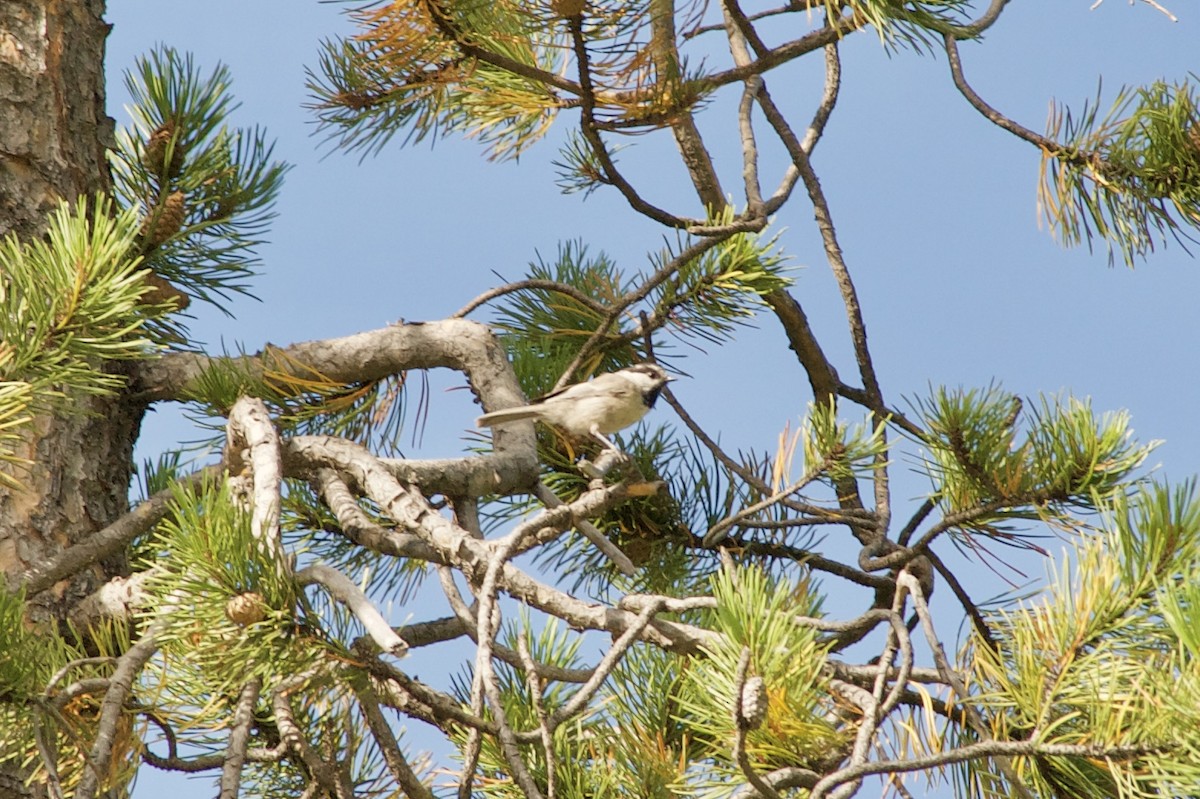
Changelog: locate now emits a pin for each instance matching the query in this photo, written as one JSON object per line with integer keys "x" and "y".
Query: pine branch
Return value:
{"x": 105, "y": 543}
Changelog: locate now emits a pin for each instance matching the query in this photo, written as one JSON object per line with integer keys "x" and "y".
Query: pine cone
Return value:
{"x": 246, "y": 608}
{"x": 754, "y": 704}
{"x": 155, "y": 156}
{"x": 163, "y": 291}
{"x": 164, "y": 221}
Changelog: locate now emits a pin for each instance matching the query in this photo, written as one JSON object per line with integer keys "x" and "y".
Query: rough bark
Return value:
{"x": 53, "y": 125}
{"x": 53, "y": 135}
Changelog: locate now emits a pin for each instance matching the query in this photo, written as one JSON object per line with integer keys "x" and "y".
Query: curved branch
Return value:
{"x": 459, "y": 344}
{"x": 111, "y": 709}
{"x": 980, "y": 105}
{"x": 807, "y": 43}
{"x": 591, "y": 134}
{"x": 344, "y": 590}
{"x": 531, "y": 285}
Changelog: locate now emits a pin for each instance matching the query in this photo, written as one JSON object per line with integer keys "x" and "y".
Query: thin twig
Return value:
{"x": 111, "y": 708}
{"x": 717, "y": 532}
{"x": 484, "y": 672}
{"x": 612, "y": 657}
{"x": 996, "y": 750}
{"x": 979, "y": 104}
{"x": 239, "y": 740}
{"x": 792, "y": 50}
{"x": 546, "y": 732}
{"x": 954, "y": 680}
{"x": 389, "y": 746}
{"x": 667, "y": 270}
{"x": 741, "y": 57}
{"x": 589, "y": 531}
{"x": 75, "y": 664}
{"x": 591, "y": 134}
{"x": 49, "y": 758}
{"x": 530, "y": 285}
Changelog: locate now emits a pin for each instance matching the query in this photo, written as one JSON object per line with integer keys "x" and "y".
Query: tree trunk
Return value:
{"x": 53, "y": 135}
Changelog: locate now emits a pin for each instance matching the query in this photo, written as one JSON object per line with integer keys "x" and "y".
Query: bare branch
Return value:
{"x": 344, "y": 590}
{"x": 111, "y": 708}
{"x": 910, "y": 583}
{"x": 239, "y": 740}
{"x": 589, "y": 531}
{"x": 534, "y": 684}
{"x": 980, "y": 105}
{"x": 790, "y": 51}
{"x": 485, "y": 674}
{"x": 996, "y": 750}
{"x": 665, "y": 54}
{"x": 111, "y": 539}
{"x": 612, "y": 657}
{"x": 591, "y": 135}
{"x": 389, "y": 746}
{"x": 358, "y": 527}
{"x": 251, "y": 433}
{"x": 324, "y": 773}
{"x": 471, "y": 555}
{"x": 531, "y": 285}
{"x": 719, "y": 530}
{"x": 753, "y": 83}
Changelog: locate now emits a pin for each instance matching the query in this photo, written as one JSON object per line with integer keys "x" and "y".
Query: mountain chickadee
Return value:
{"x": 604, "y": 405}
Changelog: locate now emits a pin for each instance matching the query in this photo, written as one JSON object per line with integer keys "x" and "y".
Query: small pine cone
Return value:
{"x": 754, "y": 704}
{"x": 246, "y": 608}
{"x": 155, "y": 156}
{"x": 1194, "y": 135}
{"x": 164, "y": 221}
{"x": 223, "y": 209}
{"x": 161, "y": 292}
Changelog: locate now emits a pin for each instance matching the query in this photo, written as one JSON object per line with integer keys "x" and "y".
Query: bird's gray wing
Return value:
{"x": 608, "y": 385}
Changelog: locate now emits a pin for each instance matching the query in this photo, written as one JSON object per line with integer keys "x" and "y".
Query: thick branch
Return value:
{"x": 459, "y": 344}
{"x": 111, "y": 539}
{"x": 469, "y": 554}
{"x": 252, "y": 451}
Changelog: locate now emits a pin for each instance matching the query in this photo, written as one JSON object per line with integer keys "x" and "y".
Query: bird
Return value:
{"x": 597, "y": 407}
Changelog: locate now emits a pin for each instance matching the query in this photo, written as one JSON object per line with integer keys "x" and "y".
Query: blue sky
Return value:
{"x": 935, "y": 209}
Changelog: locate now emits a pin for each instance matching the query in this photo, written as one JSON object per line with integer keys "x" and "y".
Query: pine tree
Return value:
{"x": 230, "y": 621}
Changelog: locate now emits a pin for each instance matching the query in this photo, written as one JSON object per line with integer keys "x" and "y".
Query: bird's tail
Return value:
{"x": 508, "y": 415}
